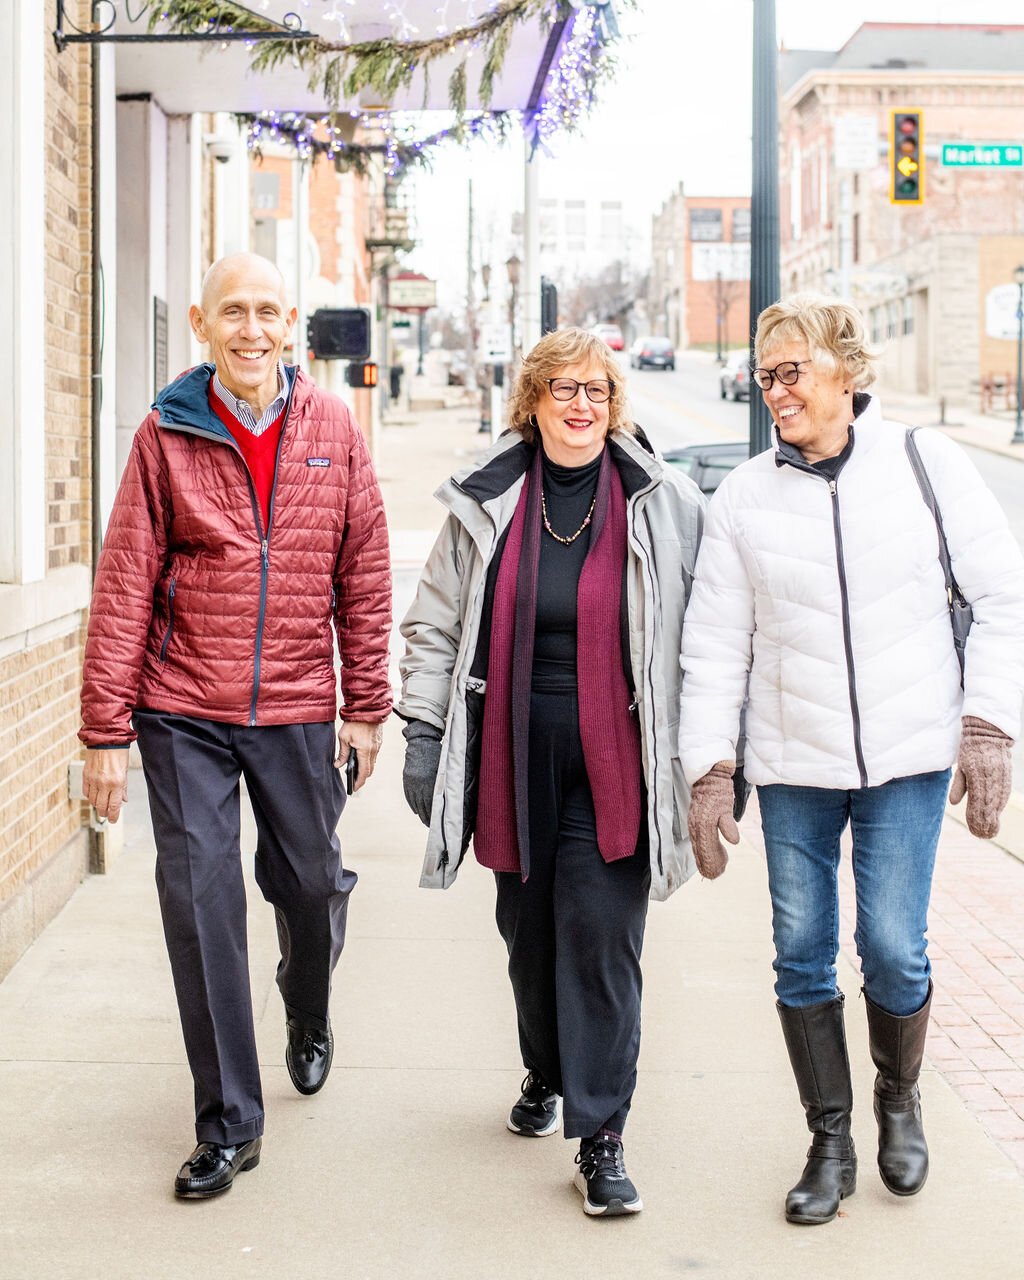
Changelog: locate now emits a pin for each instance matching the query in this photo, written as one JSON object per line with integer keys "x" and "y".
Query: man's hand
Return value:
{"x": 364, "y": 739}
{"x": 105, "y": 780}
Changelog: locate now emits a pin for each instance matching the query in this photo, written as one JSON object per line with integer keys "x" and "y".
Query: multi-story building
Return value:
{"x": 666, "y": 286}
{"x": 921, "y": 273}
{"x": 579, "y": 235}
{"x": 717, "y": 267}
{"x": 699, "y": 290}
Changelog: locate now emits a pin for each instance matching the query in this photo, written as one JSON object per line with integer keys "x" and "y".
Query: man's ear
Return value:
{"x": 291, "y": 317}
{"x": 198, "y": 322}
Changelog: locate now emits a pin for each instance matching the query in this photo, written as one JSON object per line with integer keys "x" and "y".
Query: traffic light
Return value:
{"x": 342, "y": 334}
{"x": 906, "y": 157}
{"x": 361, "y": 374}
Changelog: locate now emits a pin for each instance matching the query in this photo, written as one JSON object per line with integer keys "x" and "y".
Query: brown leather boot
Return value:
{"x": 897, "y": 1050}
{"x": 816, "y": 1040}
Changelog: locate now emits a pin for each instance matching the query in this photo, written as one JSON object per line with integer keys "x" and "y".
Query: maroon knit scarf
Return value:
{"x": 609, "y": 733}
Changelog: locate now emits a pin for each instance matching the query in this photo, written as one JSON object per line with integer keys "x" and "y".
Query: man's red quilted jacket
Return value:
{"x": 196, "y": 612}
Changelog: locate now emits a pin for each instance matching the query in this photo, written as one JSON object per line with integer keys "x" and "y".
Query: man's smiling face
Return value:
{"x": 244, "y": 319}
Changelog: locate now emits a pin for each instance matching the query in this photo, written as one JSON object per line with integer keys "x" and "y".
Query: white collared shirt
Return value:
{"x": 243, "y": 411}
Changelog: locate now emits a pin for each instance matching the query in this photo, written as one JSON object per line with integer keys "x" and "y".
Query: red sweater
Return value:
{"x": 259, "y": 452}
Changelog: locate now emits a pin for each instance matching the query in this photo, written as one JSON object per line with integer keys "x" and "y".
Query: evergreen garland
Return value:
{"x": 340, "y": 71}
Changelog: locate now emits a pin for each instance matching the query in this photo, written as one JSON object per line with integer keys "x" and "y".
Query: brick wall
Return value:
{"x": 43, "y": 845}
{"x": 68, "y": 302}
{"x": 39, "y": 693}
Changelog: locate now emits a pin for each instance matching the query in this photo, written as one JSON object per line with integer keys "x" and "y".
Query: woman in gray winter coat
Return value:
{"x": 541, "y": 687}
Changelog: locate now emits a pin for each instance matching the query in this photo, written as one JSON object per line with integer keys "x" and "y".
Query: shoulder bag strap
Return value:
{"x": 928, "y": 493}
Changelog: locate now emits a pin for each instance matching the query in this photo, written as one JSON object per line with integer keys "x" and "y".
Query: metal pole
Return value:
{"x": 300, "y": 214}
{"x": 1018, "y": 430}
{"x": 718, "y": 316}
{"x": 422, "y": 342}
{"x": 764, "y": 202}
{"x": 470, "y": 302}
{"x": 531, "y": 325}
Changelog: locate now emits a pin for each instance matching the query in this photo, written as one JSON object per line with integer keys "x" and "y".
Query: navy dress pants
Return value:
{"x": 192, "y": 769}
{"x": 574, "y": 931}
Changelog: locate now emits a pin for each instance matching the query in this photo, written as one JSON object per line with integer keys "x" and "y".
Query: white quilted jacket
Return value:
{"x": 831, "y": 607}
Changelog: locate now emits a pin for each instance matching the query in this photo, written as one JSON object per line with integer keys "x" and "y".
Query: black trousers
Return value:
{"x": 574, "y": 932}
{"x": 192, "y": 772}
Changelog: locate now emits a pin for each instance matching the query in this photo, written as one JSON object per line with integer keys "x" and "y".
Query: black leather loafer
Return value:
{"x": 309, "y": 1055}
{"x": 211, "y": 1168}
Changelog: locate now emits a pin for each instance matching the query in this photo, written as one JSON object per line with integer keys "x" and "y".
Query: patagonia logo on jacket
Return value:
{"x": 318, "y": 462}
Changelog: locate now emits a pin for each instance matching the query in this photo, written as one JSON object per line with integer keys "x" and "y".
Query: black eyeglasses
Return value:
{"x": 787, "y": 373}
{"x": 597, "y": 391}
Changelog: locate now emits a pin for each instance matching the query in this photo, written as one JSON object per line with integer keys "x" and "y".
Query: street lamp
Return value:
{"x": 1018, "y": 430}
{"x": 513, "y": 266}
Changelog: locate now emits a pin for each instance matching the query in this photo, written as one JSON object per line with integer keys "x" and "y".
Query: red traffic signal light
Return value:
{"x": 361, "y": 374}
{"x": 906, "y": 157}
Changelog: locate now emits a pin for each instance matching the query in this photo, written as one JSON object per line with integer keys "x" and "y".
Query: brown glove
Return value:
{"x": 983, "y": 772}
{"x": 710, "y": 813}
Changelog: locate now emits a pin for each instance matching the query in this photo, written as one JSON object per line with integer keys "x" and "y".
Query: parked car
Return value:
{"x": 734, "y": 378}
{"x": 707, "y": 465}
{"x": 612, "y": 334}
{"x": 652, "y": 353}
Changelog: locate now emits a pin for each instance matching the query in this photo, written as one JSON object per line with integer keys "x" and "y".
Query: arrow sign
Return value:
{"x": 907, "y": 166}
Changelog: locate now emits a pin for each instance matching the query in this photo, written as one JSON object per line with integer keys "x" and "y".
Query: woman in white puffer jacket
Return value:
{"x": 820, "y": 602}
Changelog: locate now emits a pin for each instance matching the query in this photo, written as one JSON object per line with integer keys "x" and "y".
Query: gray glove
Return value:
{"x": 422, "y": 757}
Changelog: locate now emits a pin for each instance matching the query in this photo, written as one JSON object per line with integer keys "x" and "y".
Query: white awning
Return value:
{"x": 215, "y": 76}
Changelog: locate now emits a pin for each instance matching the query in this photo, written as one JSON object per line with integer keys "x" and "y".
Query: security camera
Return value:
{"x": 220, "y": 146}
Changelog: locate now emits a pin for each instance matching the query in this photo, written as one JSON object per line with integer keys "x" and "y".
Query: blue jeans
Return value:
{"x": 895, "y": 833}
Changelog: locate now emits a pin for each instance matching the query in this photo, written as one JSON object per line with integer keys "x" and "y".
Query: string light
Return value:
{"x": 314, "y": 136}
{"x": 571, "y": 83}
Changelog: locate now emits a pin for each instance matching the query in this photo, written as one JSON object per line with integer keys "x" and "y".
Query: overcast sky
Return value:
{"x": 679, "y": 110}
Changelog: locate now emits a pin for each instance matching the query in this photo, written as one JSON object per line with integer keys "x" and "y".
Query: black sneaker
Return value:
{"x": 536, "y": 1113}
{"x": 602, "y": 1180}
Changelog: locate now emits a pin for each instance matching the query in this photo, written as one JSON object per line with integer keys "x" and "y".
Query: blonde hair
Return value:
{"x": 552, "y": 354}
{"x": 833, "y": 331}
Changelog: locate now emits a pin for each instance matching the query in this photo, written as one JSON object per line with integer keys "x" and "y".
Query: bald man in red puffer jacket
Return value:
{"x": 247, "y": 535}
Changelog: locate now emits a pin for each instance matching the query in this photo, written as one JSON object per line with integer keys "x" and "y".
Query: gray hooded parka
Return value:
{"x": 665, "y": 516}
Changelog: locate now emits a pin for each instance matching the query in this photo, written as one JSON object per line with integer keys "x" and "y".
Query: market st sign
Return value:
{"x": 983, "y": 155}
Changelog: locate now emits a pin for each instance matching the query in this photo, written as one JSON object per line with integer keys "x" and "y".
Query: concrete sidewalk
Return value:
{"x": 403, "y": 1167}
{"x": 990, "y": 431}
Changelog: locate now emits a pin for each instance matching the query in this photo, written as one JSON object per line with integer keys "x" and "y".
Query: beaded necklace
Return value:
{"x": 557, "y": 536}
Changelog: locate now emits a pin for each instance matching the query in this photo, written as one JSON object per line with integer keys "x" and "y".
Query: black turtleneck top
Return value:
{"x": 568, "y": 493}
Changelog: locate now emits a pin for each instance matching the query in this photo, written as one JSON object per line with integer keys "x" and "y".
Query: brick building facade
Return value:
{"x": 699, "y": 289}
{"x": 920, "y": 273}
{"x": 46, "y": 473}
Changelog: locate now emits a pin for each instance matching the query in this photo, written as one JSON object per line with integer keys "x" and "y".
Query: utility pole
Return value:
{"x": 764, "y": 202}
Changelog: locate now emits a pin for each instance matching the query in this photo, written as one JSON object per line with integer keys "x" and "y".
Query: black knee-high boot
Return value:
{"x": 816, "y": 1040}
{"x": 897, "y": 1050}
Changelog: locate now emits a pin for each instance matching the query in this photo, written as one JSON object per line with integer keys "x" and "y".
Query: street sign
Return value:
{"x": 983, "y": 155}
{"x": 412, "y": 293}
{"x": 1001, "y": 312}
{"x": 495, "y": 344}
{"x": 729, "y": 260}
{"x": 855, "y": 142}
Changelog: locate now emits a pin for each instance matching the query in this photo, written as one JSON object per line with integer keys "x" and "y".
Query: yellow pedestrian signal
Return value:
{"x": 906, "y": 157}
